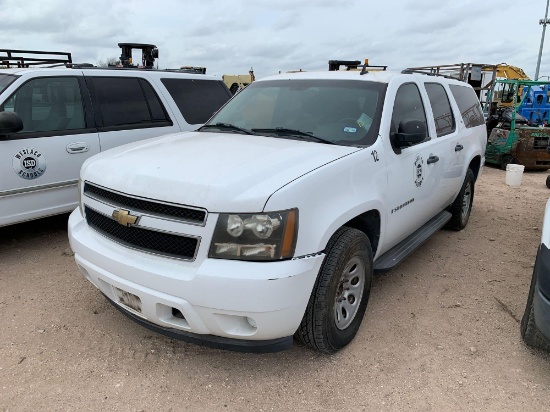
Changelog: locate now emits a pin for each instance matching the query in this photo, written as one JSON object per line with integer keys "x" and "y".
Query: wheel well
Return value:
{"x": 475, "y": 165}
{"x": 368, "y": 223}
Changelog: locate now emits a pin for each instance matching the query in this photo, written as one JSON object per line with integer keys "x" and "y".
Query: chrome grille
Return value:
{"x": 187, "y": 214}
{"x": 181, "y": 247}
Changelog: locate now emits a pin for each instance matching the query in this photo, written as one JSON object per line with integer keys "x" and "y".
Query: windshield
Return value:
{"x": 6, "y": 80}
{"x": 344, "y": 112}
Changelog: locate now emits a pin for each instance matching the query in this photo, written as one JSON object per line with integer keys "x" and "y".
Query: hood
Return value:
{"x": 221, "y": 172}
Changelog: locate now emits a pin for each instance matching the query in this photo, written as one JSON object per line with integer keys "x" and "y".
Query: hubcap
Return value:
{"x": 466, "y": 201}
{"x": 349, "y": 293}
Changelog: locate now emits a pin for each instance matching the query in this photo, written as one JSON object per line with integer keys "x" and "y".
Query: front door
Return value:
{"x": 41, "y": 164}
{"x": 414, "y": 172}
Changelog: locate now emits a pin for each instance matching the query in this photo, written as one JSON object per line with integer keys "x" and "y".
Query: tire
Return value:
{"x": 462, "y": 206}
{"x": 330, "y": 322}
{"x": 548, "y": 182}
{"x": 528, "y": 328}
{"x": 505, "y": 160}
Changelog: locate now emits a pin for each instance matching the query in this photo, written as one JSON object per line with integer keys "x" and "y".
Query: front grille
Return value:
{"x": 181, "y": 247}
{"x": 145, "y": 206}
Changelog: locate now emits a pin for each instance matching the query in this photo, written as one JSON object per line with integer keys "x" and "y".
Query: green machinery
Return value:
{"x": 514, "y": 136}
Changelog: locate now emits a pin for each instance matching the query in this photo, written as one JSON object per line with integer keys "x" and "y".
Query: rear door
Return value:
{"x": 450, "y": 150}
{"x": 41, "y": 163}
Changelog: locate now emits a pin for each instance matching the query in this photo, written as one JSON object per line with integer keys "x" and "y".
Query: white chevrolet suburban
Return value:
{"x": 268, "y": 222}
{"x": 53, "y": 119}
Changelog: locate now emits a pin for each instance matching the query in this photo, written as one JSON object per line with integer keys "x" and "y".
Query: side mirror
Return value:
{"x": 410, "y": 132}
{"x": 10, "y": 122}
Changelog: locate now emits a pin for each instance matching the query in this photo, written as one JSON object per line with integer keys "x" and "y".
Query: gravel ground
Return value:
{"x": 441, "y": 332}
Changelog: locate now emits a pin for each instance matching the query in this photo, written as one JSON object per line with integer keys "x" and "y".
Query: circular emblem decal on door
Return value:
{"x": 29, "y": 163}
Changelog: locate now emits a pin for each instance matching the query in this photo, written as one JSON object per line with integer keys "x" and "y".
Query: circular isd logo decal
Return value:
{"x": 29, "y": 163}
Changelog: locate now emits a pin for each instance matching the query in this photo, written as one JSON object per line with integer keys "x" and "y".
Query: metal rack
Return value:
{"x": 471, "y": 73}
{"x": 27, "y": 58}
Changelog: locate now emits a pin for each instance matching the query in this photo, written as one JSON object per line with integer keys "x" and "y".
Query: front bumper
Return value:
{"x": 252, "y": 306}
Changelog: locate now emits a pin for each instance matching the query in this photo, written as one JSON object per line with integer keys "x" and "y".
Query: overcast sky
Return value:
{"x": 279, "y": 35}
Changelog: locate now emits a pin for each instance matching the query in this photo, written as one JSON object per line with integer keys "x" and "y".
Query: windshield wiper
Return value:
{"x": 226, "y": 126}
{"x": 294, "y": 133}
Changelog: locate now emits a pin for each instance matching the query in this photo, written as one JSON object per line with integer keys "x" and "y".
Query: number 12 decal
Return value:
{"x": 374, "y": 154}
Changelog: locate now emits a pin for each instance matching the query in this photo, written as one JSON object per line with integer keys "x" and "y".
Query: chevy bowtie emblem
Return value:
{"x": 124, "y": 217}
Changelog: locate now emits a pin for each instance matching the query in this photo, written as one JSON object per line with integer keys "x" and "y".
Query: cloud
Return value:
{"x": 270, "y": 35}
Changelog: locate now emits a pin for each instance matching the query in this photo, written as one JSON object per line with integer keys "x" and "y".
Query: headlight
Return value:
{"x": 259, "y": 236}
{"x": 80, "y": 205}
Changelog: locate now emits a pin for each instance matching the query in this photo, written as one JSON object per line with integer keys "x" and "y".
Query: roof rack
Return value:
{"x": 471, "y": 73}
{"x": 334, "y": 65}
{"x": 411, "y": 71}
{"x": 192, "y": 69}
{"x": 31, "y": 58}
{"x": 458, "y": 71}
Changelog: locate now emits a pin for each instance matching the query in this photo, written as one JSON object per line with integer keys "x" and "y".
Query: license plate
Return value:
{"x": 127, "y": 299}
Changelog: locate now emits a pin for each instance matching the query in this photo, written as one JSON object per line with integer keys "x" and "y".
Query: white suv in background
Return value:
{"x": 65, "y": 115}
{"x": 267, "y": 222}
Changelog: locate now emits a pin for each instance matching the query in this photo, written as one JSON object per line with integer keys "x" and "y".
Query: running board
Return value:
{"x": 399, "y": 252}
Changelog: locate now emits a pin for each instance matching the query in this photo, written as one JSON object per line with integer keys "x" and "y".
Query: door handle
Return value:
{"x": 77, "y": 147}
{"x": 432, "y": 159}
{"x": 458, "y": 147}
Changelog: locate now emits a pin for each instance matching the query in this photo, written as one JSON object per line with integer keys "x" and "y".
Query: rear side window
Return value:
{"x": 441, "y": 108}
{"x": 125, "y": 101}
{"x": 197, "y": 99}
{"x": 468, "y": 104}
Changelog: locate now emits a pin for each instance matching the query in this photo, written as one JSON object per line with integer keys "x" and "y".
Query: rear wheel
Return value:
{"x": 341, "y": 293}
{"x": 548, "y": 182}
{"x": 462, "y": 206}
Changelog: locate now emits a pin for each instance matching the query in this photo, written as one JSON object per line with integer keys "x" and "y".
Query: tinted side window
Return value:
{"x": 441, "y": 108}
{"x": 469, "y": 105}
{"x": 408, "y": 106}
{"x": 197, "y": 99}
{"x": 48, "y": 104}
{"x": 127, "y": 101}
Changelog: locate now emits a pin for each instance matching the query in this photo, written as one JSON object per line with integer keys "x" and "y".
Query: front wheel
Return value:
{"x": 462, "y": 206}
{"x": 339, "y": 298}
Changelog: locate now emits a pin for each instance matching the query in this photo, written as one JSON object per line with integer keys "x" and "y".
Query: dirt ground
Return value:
{"x": 441, "y": 332}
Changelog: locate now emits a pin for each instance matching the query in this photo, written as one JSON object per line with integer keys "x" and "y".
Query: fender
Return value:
{"x": 329, "y": 197}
